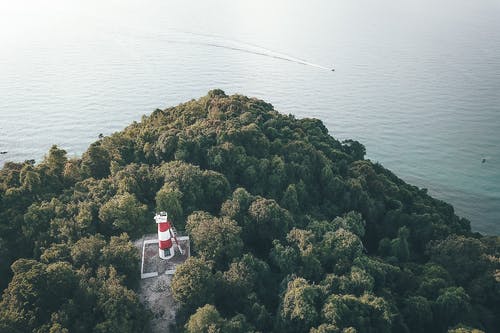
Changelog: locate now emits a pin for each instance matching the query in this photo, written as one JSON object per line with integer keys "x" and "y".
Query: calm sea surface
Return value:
{"x": 416, "y": 81}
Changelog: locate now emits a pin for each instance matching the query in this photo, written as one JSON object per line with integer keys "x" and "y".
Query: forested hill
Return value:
{"x": 291, "y": 230}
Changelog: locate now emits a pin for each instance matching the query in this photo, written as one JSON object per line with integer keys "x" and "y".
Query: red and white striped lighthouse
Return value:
{"x": 165, "y": 236}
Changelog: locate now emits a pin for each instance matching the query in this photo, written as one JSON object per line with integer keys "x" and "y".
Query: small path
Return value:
{"x": 155, "y": 292}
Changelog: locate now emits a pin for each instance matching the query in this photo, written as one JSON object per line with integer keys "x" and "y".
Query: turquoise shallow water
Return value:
{"x": 417, "y": 82}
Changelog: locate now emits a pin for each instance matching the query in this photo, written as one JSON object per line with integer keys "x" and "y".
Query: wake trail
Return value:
{"x": 222, "y": 42}
{"x": 265, "y": 55}
{"x": 263, "y": 51}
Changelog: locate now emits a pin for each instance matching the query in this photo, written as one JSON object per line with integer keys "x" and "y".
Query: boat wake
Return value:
{"x": 241, "y": 46}
{"x": 175, "y": 36}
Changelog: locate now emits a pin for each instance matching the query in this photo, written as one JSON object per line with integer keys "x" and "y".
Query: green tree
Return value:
{"x": 367, "y": 313}
{"x": 169, "y": 199}
{"x": 188, "y": 179}
{"x": 205, "y": 320}
{"x": 238, "y": 205}
{"x": 35, "y": 291}
{"x": 290, "y": 199}
{"x": 56, "y": 252}
{"x": 354, "y": 148}
{"x": 55, "y": 160}
{"x": 124, "y": 212}
{"x": 193, "y": 283}
{"x": 31, "y": 182}
{"x": 433, "y": 278}
{"x": 72, "y": 172}
{"x": 88, "y": 251}
{"x": 36, "y": 222}
{"x": 399, "y": 246}
{"x": 267, "y": 221}
{"x": 339, "y": 249}
{"x": 117, "y": 308}
{"x": 452, "y": 306}
{"x": 299, "y": 311}
{"x": 417, "y": 311}
{"x": 216, "y": 189}
{"x": 123, "y": 256}
{"x": 246, "y": 276}
{"x": 216, "y": 239}
{"x": 325, "y": 328}
{"x": 96, "y": 161}
{"x": 309, "y": 266}
{"x": 357, "y": 282}
{"x": 464, "y": 267}
{"x": 352, "y": 221}
{"x": 464, "y": 329}
{"x": 208, "y": 320}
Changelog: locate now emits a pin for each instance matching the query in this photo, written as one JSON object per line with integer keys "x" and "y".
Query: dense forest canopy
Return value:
{"x": 291, "y": 230}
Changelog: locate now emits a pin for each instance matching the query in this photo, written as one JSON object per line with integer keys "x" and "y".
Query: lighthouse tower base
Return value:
{"x": 151, "y": 263}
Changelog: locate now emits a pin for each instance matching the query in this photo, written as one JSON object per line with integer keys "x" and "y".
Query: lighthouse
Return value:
{"x": 166, "y": 234}
{"x": 159, "y": 253}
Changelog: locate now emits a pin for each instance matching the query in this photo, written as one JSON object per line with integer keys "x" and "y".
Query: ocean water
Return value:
{"x": 416, "y": 81}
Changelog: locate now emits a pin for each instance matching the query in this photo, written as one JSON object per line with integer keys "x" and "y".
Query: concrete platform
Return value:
{"x": 152, "y": 265}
